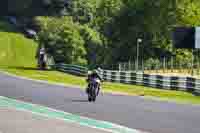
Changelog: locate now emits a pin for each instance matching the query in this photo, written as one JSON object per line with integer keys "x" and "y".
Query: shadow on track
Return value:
{"x": 79, "y": 101}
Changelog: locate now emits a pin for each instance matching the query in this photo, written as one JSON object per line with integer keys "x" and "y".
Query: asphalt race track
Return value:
{"x": 134, "y": 112}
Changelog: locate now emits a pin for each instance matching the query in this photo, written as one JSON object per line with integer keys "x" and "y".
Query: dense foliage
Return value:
{"x": 104, "y": 32}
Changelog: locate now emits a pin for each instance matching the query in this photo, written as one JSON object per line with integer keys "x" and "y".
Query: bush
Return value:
{"x": 152, "y": 64}
{"x": 62, "y": 39}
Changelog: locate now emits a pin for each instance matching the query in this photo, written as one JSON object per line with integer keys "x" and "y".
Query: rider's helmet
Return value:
{"x": 89, "y": 72}
{"x": 99, "y": 69}
{"x": 95, "y": 71}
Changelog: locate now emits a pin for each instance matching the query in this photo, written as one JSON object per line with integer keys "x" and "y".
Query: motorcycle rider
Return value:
{"x": 41, "y": 55}
{"x": 91, "y": 75}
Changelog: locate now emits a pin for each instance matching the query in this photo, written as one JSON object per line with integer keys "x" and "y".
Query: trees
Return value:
{"x": 188, "y": 12}
{"x": 96, "y": 49}
{"x": 96, "y": 16}
{"x": 62, "y": 39}
{"x": 110, "y": 26}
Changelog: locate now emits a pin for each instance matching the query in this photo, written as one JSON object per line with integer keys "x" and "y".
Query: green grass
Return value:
{"x": 53, "y": 76}
{"x": 15, "y": 49}
{"x": 17, "y": 56}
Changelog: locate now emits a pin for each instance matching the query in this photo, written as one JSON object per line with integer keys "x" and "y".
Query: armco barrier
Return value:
{"x": 157, "y": 81}
{"x": 73, "y": 69}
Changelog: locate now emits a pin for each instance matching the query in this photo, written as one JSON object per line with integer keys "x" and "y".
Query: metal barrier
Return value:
{"x": 157, "y": 81}
{"x": 73, "y": 69}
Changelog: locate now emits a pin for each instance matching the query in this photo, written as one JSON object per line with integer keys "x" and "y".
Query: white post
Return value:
{"x": 171, "y": 64}
{"x": 164, "y": 63}
{"x": 142, "y": 65}
{"x": 137, "y": 61}
{"x": 137, "y": 56}
{"x": 119, "y": 67}
{"x": 192, "y": 62}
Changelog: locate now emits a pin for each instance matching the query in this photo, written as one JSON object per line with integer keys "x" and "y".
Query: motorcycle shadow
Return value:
{"x": 79, "y": 101}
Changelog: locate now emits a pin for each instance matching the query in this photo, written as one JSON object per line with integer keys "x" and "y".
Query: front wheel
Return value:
{"x": 89, "y": 99}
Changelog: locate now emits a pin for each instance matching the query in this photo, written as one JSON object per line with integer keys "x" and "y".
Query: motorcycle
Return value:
{"x": 93, "y": 89}
{"x": 42, "y": 65}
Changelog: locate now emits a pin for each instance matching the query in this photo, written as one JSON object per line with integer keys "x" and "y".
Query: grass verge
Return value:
{"x": 15, "y": 49}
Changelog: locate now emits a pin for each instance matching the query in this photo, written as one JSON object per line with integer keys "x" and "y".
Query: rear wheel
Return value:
{"x": 94, "y": 98}
{"x": 92, "y": 93}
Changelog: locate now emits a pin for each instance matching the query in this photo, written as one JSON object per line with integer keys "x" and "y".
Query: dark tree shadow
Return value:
{"x": 6, "y": 26}
{"x": 27, "y": 68}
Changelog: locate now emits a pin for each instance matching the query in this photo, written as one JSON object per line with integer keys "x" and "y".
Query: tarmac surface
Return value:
{"x": 134, "y": 112}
